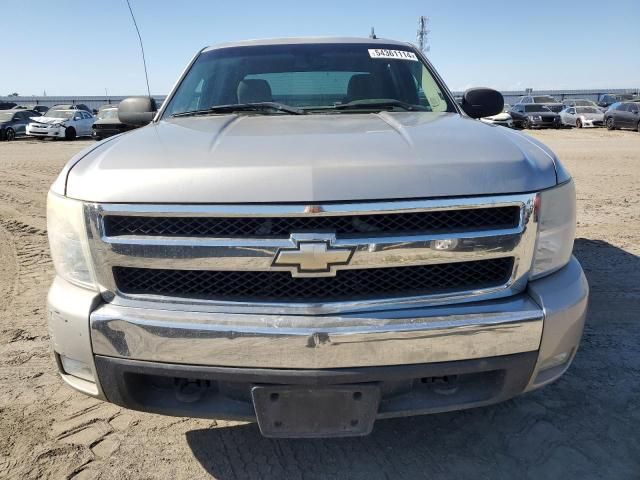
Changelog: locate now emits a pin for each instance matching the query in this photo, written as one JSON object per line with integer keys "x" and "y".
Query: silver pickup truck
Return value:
{"x": 312, "y": 234}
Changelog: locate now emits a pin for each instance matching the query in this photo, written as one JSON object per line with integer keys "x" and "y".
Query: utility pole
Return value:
{"x": 423, "y": 33}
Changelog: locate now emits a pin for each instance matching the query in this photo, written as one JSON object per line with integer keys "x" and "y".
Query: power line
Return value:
{"x": 144, "y": 61}
{"x": 423, "y": 33}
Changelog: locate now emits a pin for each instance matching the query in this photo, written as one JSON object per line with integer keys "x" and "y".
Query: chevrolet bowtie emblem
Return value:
{"x": 311, "y": 257}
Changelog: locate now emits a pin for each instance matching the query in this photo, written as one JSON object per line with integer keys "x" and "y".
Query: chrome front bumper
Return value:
{"x": 308, "y": 342}
{"x": 547, "y": 318}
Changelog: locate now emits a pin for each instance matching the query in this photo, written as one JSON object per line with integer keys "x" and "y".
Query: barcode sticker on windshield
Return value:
{"x": 395, "y": 54}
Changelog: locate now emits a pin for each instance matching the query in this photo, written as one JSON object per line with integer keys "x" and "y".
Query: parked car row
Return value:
{"x": 531, "y": 111}
{"x": 544, "y": 111}
{"x": 42, "y": 109}
{"x": 60, "y": 122}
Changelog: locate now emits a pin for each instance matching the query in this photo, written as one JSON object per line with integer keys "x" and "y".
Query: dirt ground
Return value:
{"x": 586, "y": 425}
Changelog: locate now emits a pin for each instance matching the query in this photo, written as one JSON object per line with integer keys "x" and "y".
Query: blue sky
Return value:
{"x": 81, "y": 47}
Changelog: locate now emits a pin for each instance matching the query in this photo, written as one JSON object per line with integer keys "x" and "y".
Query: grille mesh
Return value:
{"x": 445, "y": 220}
{"x": 347, "y": 284}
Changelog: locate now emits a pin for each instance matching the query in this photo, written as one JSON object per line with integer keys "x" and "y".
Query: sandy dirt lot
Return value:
{"x": 587, "y": 425}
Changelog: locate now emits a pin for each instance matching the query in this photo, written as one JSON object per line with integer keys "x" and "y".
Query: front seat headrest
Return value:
{"x": 362, "y": 87}
{"x": 254, "y": 90}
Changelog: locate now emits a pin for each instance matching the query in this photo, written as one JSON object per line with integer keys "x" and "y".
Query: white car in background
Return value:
{"x": 59, "y": 123}
{"x": 582, "y": 117}
{"x": 503, "y": 118}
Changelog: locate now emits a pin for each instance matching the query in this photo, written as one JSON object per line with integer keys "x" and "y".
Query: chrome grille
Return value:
{"x": 222, "y": 258}
{"x": 345, "y": 225}
{"x": 281, "y": 286}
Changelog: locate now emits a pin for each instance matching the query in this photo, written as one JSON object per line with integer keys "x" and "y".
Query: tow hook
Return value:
{"x": 190, "y": 391}
{"x": 446, "y": 385}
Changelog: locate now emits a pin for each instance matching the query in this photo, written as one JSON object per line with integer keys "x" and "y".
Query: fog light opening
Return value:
{"x": 556, "y": 361}
{"x": 76, "y": 368}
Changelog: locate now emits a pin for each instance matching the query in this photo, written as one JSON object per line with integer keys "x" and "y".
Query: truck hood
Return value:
{"x": 314, "y": 158}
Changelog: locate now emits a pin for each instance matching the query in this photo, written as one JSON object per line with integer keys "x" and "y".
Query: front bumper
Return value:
{"x": 587, "y": 123}
{"x": 102, "y": 133}
{"x": 409, "y": 336}
{"x": 496, "y": 349}
{"x": 49, "y": 131}
{"x": 545, "y": 123}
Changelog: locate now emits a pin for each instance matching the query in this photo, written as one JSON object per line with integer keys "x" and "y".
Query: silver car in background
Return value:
{"x": 60, "y": 123}
{"x": 582, "y": 117}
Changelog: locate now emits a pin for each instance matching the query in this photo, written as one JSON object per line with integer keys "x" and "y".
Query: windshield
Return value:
{"x": 108, "y": 113}
{"x": 587, "y": 110}
{"x": 544, "y": 99}
{"x": 314, "y": 77}
{"x": 6, "y": 116}
{"x": 584, "y": 103}
{"x": 59, "y": 114}
{"x": 536, "y": 108}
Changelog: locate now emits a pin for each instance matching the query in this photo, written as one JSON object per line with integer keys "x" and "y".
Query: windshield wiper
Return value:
{"x": 375, "y": 104}
{"x": 243, "y": 107}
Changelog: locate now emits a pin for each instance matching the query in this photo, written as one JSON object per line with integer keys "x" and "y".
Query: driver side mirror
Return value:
{"x": 137, "y": 111}
{"x": 482, "y": 102}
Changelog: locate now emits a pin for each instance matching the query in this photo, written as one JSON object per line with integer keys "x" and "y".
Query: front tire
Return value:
{"x": 10, "y": 134}
{"x": 611, "y": 124}
{"x": 578, "y": 123}
{"x": 526, "y": 124}
{"x": 70, "y": 133}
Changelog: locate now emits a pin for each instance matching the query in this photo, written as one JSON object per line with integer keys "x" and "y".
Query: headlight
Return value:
{"x": 556, "y": 209}
{"x": 536, "y": 117}
{"x": 68, "y": 241}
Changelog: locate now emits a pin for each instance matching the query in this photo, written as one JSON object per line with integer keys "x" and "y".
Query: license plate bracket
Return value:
{"x": 316, "y": 411}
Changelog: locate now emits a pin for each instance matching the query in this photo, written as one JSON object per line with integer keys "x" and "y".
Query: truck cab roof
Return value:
{"x": 306, "y": 40}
